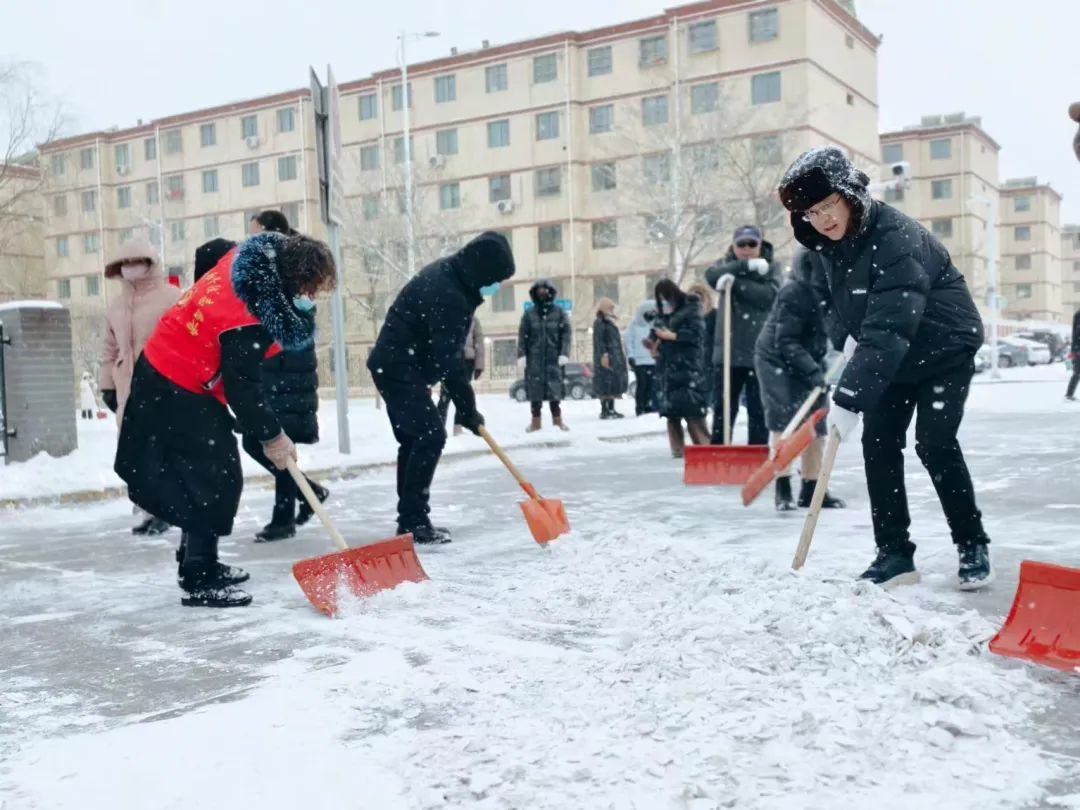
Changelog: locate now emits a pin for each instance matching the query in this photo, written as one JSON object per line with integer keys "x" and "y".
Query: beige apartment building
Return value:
{"x": 1031, "y": 276}
{"x": 609, "y": 157}
{"x": 22, "y": 264}
{"x": 1070, "y": 270}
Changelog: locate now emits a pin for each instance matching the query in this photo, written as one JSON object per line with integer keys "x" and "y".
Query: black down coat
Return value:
{"x": 612, "y": 381}
{"x": 791, "y": 348}
{"x": 544, "y": 336}
{"x": 680, "y": 368}
{"x": 752, "y": 296}
{"x": 291, "y": 382}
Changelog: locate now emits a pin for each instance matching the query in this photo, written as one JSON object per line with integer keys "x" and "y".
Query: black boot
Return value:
{"x": 275, "y": 531}
{"x": 806, "y": 494}
{"x": 427, "y": 535}
{"x": 783, "y": 499}
{"x": 305, "y": 512}
{"x": 975, "y": 571}
{"x": 231, "y": 574}
{"x": 604, "y": 412}
{"x": 151, "y": 526}
{"x": 612, "y": 413}
{"x": 892, "y": 568}
{"x": 204, "y": 586}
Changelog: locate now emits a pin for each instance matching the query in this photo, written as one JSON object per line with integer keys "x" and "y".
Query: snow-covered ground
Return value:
{"x": 663, "y": 655}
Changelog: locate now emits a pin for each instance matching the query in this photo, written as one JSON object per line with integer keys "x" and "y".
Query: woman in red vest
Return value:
{"x": 177, "y": 451}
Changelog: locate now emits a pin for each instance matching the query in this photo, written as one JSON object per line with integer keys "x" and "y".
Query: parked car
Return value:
{"x": 1009, "y": 355}
{"x": 1038, "y": 353}
{"x": 1058, "y": 345}
{"x": 578, "y": 378}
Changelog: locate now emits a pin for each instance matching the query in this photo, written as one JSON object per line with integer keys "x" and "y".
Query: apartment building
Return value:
{"x": 22, "y": 266}
{"x": 1070, "y": 270}
{"x": 609, "y": 157}
{"x": 1031, "y": 274}
{"x": 954, "y": 172}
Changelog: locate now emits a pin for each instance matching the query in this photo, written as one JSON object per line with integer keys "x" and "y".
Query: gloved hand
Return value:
{"x": 279, "y": 450}
{"x": 850, "y": 345}
{"x": 632, "y": 362}
{"x": 605, "y": 361}
{"x": 563, "y": 359}
{"x": 476, "y": 373}
{"x": 724, "y": 281}
{"x": 843, "y": 420}
{"x": 817, "y": 380}
{"x": 472, "y": 422}
{"x": 521, "y": 362}
{"x": 758, "y": 265}
{"x": 108, "y": 396}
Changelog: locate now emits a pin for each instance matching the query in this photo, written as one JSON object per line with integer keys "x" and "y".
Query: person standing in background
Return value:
{"x": 704, "y": 292}
{"x": 87, "y": 400}
{"x": 610, "y": 377}
{"x": 474, "y": 367}
{"x": 543, "y": 349}
{"x": 641, "y": 360}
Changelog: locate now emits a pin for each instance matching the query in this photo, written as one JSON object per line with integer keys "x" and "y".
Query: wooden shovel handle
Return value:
{"x": 808, "y": 403}
{"x": 831, "y": 448}
{"x": 316, "y": 507}
{"x": 530, "y": 490}
{"x": 727, "y": 362}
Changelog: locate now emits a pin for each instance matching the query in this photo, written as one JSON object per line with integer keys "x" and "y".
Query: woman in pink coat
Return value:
{"x": 132, "y": 317}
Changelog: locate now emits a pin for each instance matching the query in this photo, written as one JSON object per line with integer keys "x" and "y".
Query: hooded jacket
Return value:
{"x": 615, "y": 379}
{"x": 752, "y": 296}
{"x": 637, "y": 332}
{"x": 681, "y": 391}
{"x": 544, "y": 337}
{"x": 131, "y": 318}
{"x": 893, "y": 285}
{"x": 423, "y": 337}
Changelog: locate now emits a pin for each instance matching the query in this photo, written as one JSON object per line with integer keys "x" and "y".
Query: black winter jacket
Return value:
{"x": 1075, "y": 347}
{"x": 543, "y": 337}
{"x": 680, "y": 369}
{"x": 752, "y": 296}
{"x": 614, "y": 380}
{"x": 291, "y": 382}
{"x": 794, "y": 341}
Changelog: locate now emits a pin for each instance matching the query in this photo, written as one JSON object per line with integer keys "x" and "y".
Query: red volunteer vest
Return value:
{"x": 186, "y": 345}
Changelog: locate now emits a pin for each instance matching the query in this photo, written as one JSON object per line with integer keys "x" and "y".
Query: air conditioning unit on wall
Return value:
{"x": 122, "y": 169}
{"x": 437, "y": 161}
{"x": 505, "y": 206}
{"x": 252, "y": 141}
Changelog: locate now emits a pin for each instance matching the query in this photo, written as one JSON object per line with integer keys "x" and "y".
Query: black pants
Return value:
{"x": 940, "y": 406}
{"x": 444, "y": 396}
{"x": 555, "y": 405}
{"x": 742, "y": 378}
{"x": 1074, "y": 379}
{"x": 285, "y": 493}
{"x": 421, "y": 436}
{"x": 644, "y": 395}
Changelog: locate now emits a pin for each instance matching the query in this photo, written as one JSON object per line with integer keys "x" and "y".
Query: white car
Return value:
{"x": 1038, "y": 353}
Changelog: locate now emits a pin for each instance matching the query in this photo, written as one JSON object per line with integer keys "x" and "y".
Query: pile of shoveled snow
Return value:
{"x": 620, "y": 669}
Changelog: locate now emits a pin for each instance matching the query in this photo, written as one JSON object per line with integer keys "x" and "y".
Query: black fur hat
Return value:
{"x": 256, "y": 280}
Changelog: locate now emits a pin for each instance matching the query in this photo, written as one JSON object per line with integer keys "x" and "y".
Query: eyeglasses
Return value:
{"x": 826, "y": 209}
{"x": 746, "y": 243}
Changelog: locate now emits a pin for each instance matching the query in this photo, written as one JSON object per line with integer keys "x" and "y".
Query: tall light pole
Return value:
{"x": 992, "y": 298}
{"x": 410, "y": 235}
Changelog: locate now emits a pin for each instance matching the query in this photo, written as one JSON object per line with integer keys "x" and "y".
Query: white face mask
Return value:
{"x": 134, "y": 272}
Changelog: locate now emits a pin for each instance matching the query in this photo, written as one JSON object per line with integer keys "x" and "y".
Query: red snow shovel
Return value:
{"x": 724, "y": 464}
{"x": 1044, "y": 624}
{"x": 546, "y": 518}
{"x": 360, "y": 571}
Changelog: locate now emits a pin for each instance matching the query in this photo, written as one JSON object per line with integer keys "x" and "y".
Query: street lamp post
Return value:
{"x": 992, "y": 298}
{"x": 410, "y": 235}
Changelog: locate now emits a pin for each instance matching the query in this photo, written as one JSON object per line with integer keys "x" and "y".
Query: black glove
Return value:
{"x": 108, "y": 396}
{"x": 476, "y": 373}
{"x": 631, "y": 362}
{"x": 817, "y": 380}
{"x": 472, "y": 422}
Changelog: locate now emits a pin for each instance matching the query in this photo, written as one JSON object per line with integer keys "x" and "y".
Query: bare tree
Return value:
{"x": 87, "y": 339}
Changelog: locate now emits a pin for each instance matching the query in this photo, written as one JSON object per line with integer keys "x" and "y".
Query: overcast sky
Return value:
{"x": 114, "y": 61}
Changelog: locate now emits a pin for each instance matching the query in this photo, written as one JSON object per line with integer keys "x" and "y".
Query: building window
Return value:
{"x": 91, "y": 243}
{"x": 545, "y": 69}
{"x": 286, "y": 119}
{"x": 446, "y": 142}
{"x": 369, "y": 158}
{"x": 211, "y": 227}
{"x": 59, "y": 165}
{"x": 174, "y": 187}
{"x": 656, "y": 168}
{"x": 499, "y": 188}
{"x": 764, "y": 25}
{"x": 174, "y": 141}
{"x": 249, "y": 175}
{"x": 152, "y": 195}
{"x": 1022, "y": 203}
{"x": 600, "y": 61}
{"x": 63, "y": 288}
{"x": 849, "y": 40}
{"x": 548, "y": 182}
{"x": 606, "y": 288}
{"x": 603, "y": 176}
{"x": 652, "y": 51}
{"x": 941, "y": 149}
{"x": 93, "y": 286}
{"x": 601, "y": 119}
{"x": 177, "y": 231}
{"x": 547, "y": 126}
{"x": 122, "y": 156}
{"x": 549, "y": 238}
{"x": 768, "y": 150}
{"x": 654, "y": 110}
{"x": 1023, "y": 261}
{"x": 851, "y": 99}
{"x": 941, "y": 189}
{"x": 369, "y": 106}
{"x": 155, "y": 236}
{"x": 1023, "y": 291}
{"x": 59, "y": 205}
{"x": 286, "y": 168}
{"x": 498, "y": 134}
{"x": 892, "y": 153}
{"x": 942, "y": 228}
{"x": 703, "y": 37}
{"x": 208, "y": 135}
{"x": 62, "y": 249}
{"x": 894, "y": 194}
{"x": 89, "y": 202}
{"x": 395, "y": 96}
{"x": 1022, "y": 233}
{"x": 123, "y": 197}
{"x": 503, "y": 300}
{"x": 445, "y": 89}
{"x": 210, "y": 181}
{"x": 449, "y": 196}
{"x": 371, "y": 206}
{"x": 86, "y": 159}
{"x": 705, "y": 157}
{"x": 765, "y": 88}
{"x": 495, "y": 79}
{"x": 399, "y": 149}
{"x": 249, "y": 126}
{"x": 605, "y": 234}
{"x": 150, "y": 148}
{"x": 704, "y": 98}
{"x": 126, "y": 235}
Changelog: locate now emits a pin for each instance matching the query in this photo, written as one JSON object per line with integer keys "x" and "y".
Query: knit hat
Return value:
{"x": 747, "y": 232}
{"x": 208, "y": 254}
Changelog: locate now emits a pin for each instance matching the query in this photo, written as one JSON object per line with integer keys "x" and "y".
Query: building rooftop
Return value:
{"x": 942, "y": 124}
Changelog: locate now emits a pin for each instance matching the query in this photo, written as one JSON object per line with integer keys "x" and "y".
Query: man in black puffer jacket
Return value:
{"x": 913, "y": 332}
{"x": 421, "y": 343}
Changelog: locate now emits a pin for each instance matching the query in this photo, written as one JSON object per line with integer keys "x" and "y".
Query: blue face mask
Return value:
{"x": 667, "y": 307}
{"x": 303, "y": 303}
{"x": 490, "y": 289}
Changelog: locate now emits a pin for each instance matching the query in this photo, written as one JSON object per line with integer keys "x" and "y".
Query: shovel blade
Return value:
{"x": 546, "y": 519}
{"x": 758, "y": 481}
{"x": 723, "y": 464}
{"x": 1044, "y": 624}
{"x": 796, "y": 444}
{"x": 359, "y": 572}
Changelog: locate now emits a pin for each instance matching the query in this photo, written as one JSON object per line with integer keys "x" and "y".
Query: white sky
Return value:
{"x": 113, "y": 61}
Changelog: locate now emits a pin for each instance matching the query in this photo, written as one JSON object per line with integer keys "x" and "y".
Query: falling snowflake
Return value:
{"x": 939, "y": 406}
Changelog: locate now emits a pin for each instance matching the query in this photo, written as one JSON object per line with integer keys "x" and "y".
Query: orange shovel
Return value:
{"x": 1044, "y": 623}
{"x": 361, "y": 571}
{"x": 546, "y": 518}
